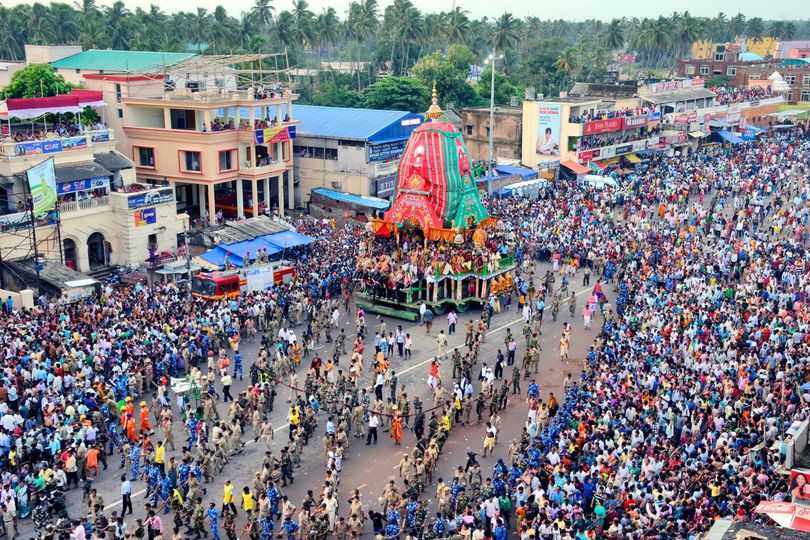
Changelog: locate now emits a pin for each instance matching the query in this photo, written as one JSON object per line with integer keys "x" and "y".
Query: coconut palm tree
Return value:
{"x": 262, "y": 12}
{"x": 737, "y": 26}
{"x": 303, "y": 17}
{"x": 687, "y": 31}
{"x": 755, "y": 28}
{"x": 12, "y": 38}
{"x": 613, "y": 35}
{"x": 284, "y": 30}
{"x": 506, "y": 32}
{"x": 41, "y": 29}
{"x": 67, "y": 27}
{"x": 411, "y": 31}
{"x": 116, "y": 13}
{"x": 458, "y": 26}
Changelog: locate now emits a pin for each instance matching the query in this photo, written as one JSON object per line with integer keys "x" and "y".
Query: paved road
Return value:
{"x": 369, "y": 468}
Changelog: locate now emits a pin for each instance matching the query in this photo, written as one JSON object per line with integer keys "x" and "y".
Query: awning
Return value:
{"x": 216, "y": 257}
{"x": 510, "y": 170}
{"x": 112, "y": 161}
{"x": 80, "y": 171}
{"x": 575, "y": 167}
{"x": 697, "y": 134}
{"x": 249, "y": 248}
{"x": 632, "y": 158}
{"x": 730, "y": 137}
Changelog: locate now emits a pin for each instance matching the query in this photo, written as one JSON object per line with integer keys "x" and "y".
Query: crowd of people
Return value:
{"x": 677, "y": 419}
{"x": 50, "y": 131}
{"x": 726, "y": 96}
{"x": 611, "y": 113}
{"x": 593, "y": 141}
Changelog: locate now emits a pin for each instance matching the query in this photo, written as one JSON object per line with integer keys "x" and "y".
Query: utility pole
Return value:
{"x": 491, "y": 59}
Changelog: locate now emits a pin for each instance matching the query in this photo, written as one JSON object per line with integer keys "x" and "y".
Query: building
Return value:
{"x": 582, "y": 130}
{"x": 708, "y": 50}
{"x": 792, "y": 50}
{"x": 75, "y": 67}
{"x": 729, "y": 68}
{"x": 224, "y": 147}
{"x": 103, "y": 216}
{"x": 506, "y": 139}
{"x": 349, "y": 150}
{"x": 796, "y": 73}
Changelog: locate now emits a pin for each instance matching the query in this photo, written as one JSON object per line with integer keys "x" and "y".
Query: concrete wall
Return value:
{"x": 506, "y": 139}
{"x": 45, "y": 54}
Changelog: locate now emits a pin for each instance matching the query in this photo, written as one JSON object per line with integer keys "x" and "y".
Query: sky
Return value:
{"x": 544, "y": 9}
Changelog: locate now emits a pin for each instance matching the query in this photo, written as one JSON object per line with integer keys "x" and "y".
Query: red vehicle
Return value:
{"x": 219, "y": 285}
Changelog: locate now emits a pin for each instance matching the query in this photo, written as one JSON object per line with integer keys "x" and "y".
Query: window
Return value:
{"x": 805, "y": 80}
{"x": 805, "y": 96}
{"x": 719, "y": 57}
{"x": 226, "y": 161}
{"x": 487, "y": 131}
{"x": 704, "y": 70}
{"x": 731, "y": 71}
{"x": 790, "y": 79}
{"x": 120, "y": 113}
{"x": 316, "y": 152}
{"x": 469, "y": 129}
{"x": 145, "y": 156}
{"x": 118, "y": 92}
{"x": 190, "y": 161}
{"x": 690, "y": 69}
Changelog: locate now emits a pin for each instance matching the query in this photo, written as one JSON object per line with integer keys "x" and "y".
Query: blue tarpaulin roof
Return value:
{"x": 508, "y": 170}
{"x": 288, "y": 239}
{"x": 216, "y": 257}
{"x": 370, "y": 202}
{"x": 273, "y": 243}
{"x": 733, "y": 138}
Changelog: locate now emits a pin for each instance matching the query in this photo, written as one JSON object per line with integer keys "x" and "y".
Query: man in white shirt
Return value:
{"x": 373, "y": 424}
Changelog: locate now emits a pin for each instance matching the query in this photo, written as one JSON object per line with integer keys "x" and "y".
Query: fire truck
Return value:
{"x": 230, "y": 283}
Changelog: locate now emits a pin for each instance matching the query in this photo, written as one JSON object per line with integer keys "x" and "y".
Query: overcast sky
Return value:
{"x": 544, "y": 9}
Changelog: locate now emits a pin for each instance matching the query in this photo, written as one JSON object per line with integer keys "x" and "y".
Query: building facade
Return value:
{"x": 349, "y": 150}
{"x": 506, "y": 139}
{"x": 104, "y": 217}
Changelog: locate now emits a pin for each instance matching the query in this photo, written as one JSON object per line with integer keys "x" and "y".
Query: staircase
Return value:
{"x": 100, "y": 273}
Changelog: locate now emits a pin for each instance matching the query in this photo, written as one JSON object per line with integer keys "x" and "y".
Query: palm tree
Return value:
{"x": 788, "y": 32}
{"x": 254, "y": 44}
{"x": 361, "y": 23}
{"x": 303, "y": 17}
{"x": 262, "y": 12}
{"x": 68, "y": 27}
{"x": 199, "y": 27}
{"x": 506, "y": 32}
{"x": 116, "y": 13}
{"x": 87, "y": 9}
{"x": 737, "y": 26}
{"x": 687, "y": 31}
{"x": 221, "y": 30}
{"x": 12, "y": 38}
{"x": 284, "y": 30}
{"x": 719, "y": 26}
{"x": 755, "y": 29}
{"x": 566, "y": 65}
{"x": 411, "y": 31}
{"x": 458, "y": 26}
{"x": 613, "y": 35}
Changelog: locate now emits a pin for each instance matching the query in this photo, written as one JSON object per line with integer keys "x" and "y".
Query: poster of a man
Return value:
{"x": 548, "y": 129}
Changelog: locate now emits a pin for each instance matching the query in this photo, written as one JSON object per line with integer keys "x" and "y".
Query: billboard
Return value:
{"x": 38, "y": 147}
{"x": 388, "y": 150}
{"x": 548, "y": 129}
{"x": 147, "y": 216}
{"x": 147, "y": 198}
{"x": 603, "y": 126}
{"x": 800, "y": 486}
{"x": 275, "y": 134}
{"x": 42, "y": 185}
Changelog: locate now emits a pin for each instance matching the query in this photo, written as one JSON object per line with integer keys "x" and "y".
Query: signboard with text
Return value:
{"x": 381, "y": 152}
{"x": 273, "y": 135}
{"x": 38, "y": 147}
{"x": 637, "y": 121}
{"x": 148, "y": 198}
{"x": 548, "y": 129}
{"x": 603, "y": 126}
{"x": 82, "y": 185}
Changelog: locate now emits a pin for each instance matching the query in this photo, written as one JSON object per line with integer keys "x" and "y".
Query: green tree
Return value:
{"x": 36, "y": 80}
{"x": 737, "y": 26}
{"x": 396, "y": 94}
{"x": 504, "y": 89}
{"x": 755, "y": 28}
{"x": 613, "y": 35}
{"x": 262, "y": 12}
{"x": 449, "y": 71}
{"x": 506, "y": 32}
{"x": 458, "y": 26}
{"x": 331, "y": 95}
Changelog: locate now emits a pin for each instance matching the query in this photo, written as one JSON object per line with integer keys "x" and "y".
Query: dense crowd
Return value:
{"x": 54, "y": 131}
{"x": 593, "y": 141}
{"x": 677, "y": 419}
{"x": 726, "y": 96}
{"x": 611, "y": 113}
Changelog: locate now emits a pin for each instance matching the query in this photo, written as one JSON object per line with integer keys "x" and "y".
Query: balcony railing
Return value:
{"x": 87, "y": 139}
{"x": 87, "y": 204}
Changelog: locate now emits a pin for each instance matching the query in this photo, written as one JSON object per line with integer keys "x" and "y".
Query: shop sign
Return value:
{"x": 637, "y": 121}
{"x": 38, "y": 147}
{"x": 384, "y": 151}
{"x": 603, "y": 126}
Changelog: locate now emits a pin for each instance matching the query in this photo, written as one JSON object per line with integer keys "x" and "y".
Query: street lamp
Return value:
{"x": 491, "y": 59}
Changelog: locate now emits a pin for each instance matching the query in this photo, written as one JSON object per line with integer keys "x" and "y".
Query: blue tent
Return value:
{"x": 241, "y": 249}
{"x": 288, "y": 239}
{"x": 730, "y": 137}
{"x": 216, "y": 257}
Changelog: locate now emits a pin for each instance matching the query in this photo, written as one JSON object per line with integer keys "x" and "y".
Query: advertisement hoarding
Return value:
{"x": 81, "y": 185}
{"x": 548, "y": 129}
{"x": 42, "y": 185}
{"x": 276, "y": 134}
{"x": 148, "y": 198}
{"x": 146, "y": 216}
{"x": 800, "y": 486}
{"x": 631, "y": 122}
{"x": 603, "y": 126}
{"x": 38, "y": 147}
